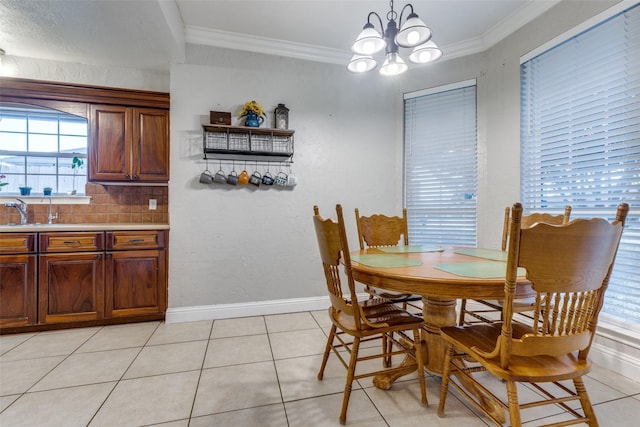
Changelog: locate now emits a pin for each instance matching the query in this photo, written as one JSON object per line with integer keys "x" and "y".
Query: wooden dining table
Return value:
{"x": 440, "y": 276}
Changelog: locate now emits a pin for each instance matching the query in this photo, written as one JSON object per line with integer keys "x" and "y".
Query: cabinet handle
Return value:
{"x": 136, "y": 177}
{"x": 98, "y": 256}
{"x": 134, "y": 241}
{"x": 127, "y": 176}
{"x": 72, "y": 242}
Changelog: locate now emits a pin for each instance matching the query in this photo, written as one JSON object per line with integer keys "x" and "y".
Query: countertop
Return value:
{"x": 33, "y": 228}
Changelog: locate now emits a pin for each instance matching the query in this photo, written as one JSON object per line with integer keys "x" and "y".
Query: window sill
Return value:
{"x": 44, "y": 200}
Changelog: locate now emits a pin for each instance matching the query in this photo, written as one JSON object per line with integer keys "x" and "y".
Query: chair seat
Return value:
{"x": 521, "y": 368}
{"x": 387, "y": 313}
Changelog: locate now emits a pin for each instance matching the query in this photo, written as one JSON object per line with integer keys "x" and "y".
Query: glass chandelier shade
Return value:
{"x": 361, "y": 64}
{"x": 369, "y": 41}
{"x": 412, "y": 33}
{"x": 393, "y": 65}
{"x": 426, "y": 52}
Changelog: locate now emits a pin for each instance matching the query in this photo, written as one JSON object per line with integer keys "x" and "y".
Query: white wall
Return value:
{"x": 235, "y": 245}
{"x": 71, "y": 72}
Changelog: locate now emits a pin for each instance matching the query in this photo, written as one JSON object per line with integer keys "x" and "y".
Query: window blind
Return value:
{"x": 440, "y": 166}
{"x": 580, "y": 138}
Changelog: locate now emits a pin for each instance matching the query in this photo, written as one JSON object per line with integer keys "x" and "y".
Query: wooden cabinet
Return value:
{"x": 18, "y": 293}
{"x": 71, "y": 277}
{"x": 136, "y": 278}
{"x": 128, "y": 144}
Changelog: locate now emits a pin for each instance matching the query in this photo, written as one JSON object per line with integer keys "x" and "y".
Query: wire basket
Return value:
{"x": 261, "y": 143}
{"x": 239, "y": 141}
{"x": 282, "y": 144}
{"x": 216, "y": 140}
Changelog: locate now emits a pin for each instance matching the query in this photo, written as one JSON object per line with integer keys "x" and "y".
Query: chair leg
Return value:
{"x": 419, "y": 359}
{"x": 387, "y": 347}
{"x": 463, "y": 307}
{"x": 327, "y": 349}
{"x": 514, "y": 407}
{"x": 585, "y": 402}
{"x": 446, "y": 373}
{"x": 350, "y": 374}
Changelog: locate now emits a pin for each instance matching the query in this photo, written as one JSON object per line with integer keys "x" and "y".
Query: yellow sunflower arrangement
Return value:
{"x": 251, "y": 107}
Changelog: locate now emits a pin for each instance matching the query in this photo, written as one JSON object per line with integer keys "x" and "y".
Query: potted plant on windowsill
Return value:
{"x": 76, "y": 164}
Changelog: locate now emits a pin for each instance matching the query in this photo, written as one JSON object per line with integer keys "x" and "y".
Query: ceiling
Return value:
{"x": 150, "y": 34}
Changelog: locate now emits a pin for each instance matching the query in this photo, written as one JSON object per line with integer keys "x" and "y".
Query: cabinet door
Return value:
{"x": 135, "y": 283}
{"x": 71, "y": 287}
{"x": 18, "y": 290}
{"x": 110, "y": 148}
{"x": 151, "y": 145}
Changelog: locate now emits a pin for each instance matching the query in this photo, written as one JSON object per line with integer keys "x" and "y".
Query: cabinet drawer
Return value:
{"x": 18, "y": 243}
{"x": 72, "y": 242}
{"x": 128, "y": 240}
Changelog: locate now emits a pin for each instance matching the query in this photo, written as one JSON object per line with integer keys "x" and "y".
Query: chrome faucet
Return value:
{"x": 51, "y": 217}
{"x": 21, "y": 207}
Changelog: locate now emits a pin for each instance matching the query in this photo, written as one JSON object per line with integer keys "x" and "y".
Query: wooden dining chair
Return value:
{"x": 377, "y": 231}
{"x": 355, "y": 322}
{"x": 568, "y": 266}
{"x": 488, "y": 311}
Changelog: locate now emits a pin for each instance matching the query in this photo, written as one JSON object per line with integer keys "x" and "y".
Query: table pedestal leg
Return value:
{"x": 437, "y": 313}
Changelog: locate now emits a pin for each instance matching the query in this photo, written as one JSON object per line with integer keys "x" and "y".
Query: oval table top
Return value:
{"x": 427, "y": 280}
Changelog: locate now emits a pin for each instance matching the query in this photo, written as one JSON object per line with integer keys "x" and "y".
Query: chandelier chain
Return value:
{"x": 392, "y": 14}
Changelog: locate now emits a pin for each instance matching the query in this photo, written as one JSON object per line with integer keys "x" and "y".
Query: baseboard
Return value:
{"x": 246, "y": 309}
{"x": 615, "y": 361}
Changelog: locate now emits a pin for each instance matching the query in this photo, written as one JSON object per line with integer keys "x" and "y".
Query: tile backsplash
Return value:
{"x": 109, "y": 204}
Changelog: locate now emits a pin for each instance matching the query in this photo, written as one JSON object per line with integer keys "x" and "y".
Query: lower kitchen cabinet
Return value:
{"x": 135, "y": 283}
{"x": 71, "y": 282}
{"x": 18, "y": 294}
{"x": 18, "y": 285}
{"x": 71, "y": 287}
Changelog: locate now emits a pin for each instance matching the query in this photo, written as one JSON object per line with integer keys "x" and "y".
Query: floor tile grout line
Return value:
{"x": 275, "y": 369}
{"x": 204, "y": 358}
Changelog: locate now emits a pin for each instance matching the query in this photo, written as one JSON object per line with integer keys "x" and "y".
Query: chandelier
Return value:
{"x": 413, "y": 33}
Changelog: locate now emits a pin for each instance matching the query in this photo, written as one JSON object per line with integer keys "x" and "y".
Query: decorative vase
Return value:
{"x": 253, "y": 120}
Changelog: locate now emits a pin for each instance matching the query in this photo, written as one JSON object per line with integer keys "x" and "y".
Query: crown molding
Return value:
{"x": 515, "y": 21}
{"x": 264, "y": 45}
{"x": 249, "y": 43}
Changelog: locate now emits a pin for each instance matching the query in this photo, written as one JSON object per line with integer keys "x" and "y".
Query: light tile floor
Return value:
{"x": 254, "y": 371}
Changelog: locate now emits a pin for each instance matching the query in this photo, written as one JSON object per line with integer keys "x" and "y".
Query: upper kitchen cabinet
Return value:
{"x": 128, "y": 144}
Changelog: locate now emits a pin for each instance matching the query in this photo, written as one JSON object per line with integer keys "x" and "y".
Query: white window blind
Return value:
{"x": 440, "y": 170}
{"x": 581, "y": 138}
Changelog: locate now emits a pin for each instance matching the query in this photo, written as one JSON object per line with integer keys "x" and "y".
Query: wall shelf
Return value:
{"x": 225, "y": 142}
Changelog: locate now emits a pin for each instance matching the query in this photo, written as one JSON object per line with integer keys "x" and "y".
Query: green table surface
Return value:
{"x": 493, "y": 254}
{"x": 385, "y": 260}
{"x": 409, "y": 249}
{"x": 478, "y": 269}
